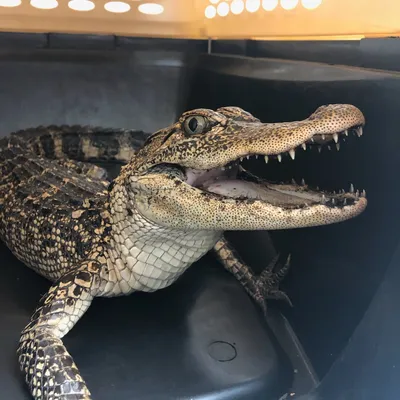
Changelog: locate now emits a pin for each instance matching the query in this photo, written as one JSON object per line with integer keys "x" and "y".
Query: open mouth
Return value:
{"x": 232, "y": 181}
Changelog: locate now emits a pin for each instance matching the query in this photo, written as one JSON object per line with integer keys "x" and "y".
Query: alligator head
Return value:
{"x": 188, "y": 176}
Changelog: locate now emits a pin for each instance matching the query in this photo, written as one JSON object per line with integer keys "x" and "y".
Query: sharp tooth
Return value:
{"x": 323, "y": 198}
{"x": 359, "y": 131}
{"x": 294, "y": 182}
{"x": 247, "y": 157}
{"x": 292, "y": 153}
{"x": 223, "y": 168}
{"x": 337, "y": 146}
{"x": 357, "y": 194}
{"x": 317, "y": 188}
{"x": 319, "y": 149}
{"x": 335, "y": 137}
{"x": 333, "y": 201}
{"x": 303, "y": 182}
{"x": 346, "y": 132}
{"x": 266, "y": 159}
{"x": 256, "y": 156}
{"x": 344, "y": 202}
{"x": 363, "y": 193}
{"x": 329, "y": 147}
{"x": 241, "y": 158}
{"x": 312, "y": 140}
{"x": 304, "y": 146}
{"x": 323, "y": 137}
{"x": 351, "y": 188}
{"x": 279, "y": 157}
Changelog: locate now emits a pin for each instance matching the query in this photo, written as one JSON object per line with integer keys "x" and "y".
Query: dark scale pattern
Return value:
{"x": 51, "y": 217}
{"x": 55, "y": 219}
{"x": 83, "y": 143}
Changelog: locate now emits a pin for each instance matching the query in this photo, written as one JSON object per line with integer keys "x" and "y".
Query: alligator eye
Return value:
{"x": 197, "y": 124}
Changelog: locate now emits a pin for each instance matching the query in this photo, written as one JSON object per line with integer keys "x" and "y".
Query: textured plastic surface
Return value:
{"x": 368, "y": 368}
{"x": 202, "y": 338}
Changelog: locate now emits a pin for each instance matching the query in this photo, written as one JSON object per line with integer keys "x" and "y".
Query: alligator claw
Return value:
{"x": 267, "y": 284}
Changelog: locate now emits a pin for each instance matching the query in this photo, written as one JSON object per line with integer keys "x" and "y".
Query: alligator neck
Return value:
{"x": 145, "y": 256}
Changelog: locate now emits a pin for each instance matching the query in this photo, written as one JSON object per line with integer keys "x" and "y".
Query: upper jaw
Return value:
{"x": 239, "y": 140}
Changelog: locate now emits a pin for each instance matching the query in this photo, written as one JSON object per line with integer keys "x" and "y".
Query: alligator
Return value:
{"x": 176, "y": 193}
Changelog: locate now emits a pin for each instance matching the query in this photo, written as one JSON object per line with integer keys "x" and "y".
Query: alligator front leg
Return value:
{"x": 49, "y": 370}
{"x": 262, "y": 287}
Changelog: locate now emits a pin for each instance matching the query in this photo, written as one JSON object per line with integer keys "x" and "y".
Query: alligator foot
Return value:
{"x": 267, "y": 284}
{"x": 260, "y": 288}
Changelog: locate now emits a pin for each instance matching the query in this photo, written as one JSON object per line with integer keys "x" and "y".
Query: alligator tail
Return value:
{"x": 83, "y": 143}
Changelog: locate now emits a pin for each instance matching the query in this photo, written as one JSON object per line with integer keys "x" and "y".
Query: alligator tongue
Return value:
{"x": 272, "y": 194}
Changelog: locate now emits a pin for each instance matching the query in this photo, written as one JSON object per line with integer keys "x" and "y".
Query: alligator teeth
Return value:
{"x": 279, "y": 157}
{"x": 256, "y": 156}
{"x": 344, "y": 201}
{"x": 223, "y": 168}
{"x": 294, "y": 182}
{"x": 266, "y": 159}
{"x": 335, "y": 137}
{"x": 319, "y": 149}
{"x": 363, "y": 193}
{"x": 333, "y": 201}
{"x": 304, "y": 146}
{"x": 359, "y": 131}
{"x": 323, "y": 137}
{"x": 312, "y": 140}
{"x": 323, "y": 198}
{"x": 346, "y": 132}
{"x": 247, "y": 157}
{"x": 292, "y": 153}
{"x": 241, "y": 158}
{"x": 329, "y": 147}
{"x": 357, "y": 194}
{"x": 351, "y": 188}
{"x": 337, "y": 146}
{"x": 303, "y": 182}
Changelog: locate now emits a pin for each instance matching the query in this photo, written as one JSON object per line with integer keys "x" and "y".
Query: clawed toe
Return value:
{"x": 268, "y": 283}
{"x": 275, "y": 272}
{"x": 279, "y": 295}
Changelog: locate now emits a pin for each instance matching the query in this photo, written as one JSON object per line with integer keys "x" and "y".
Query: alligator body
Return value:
{"x": 178, "y": 191}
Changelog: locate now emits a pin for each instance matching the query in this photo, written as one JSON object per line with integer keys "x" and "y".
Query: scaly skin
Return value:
{"x": 168, "y": 207}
